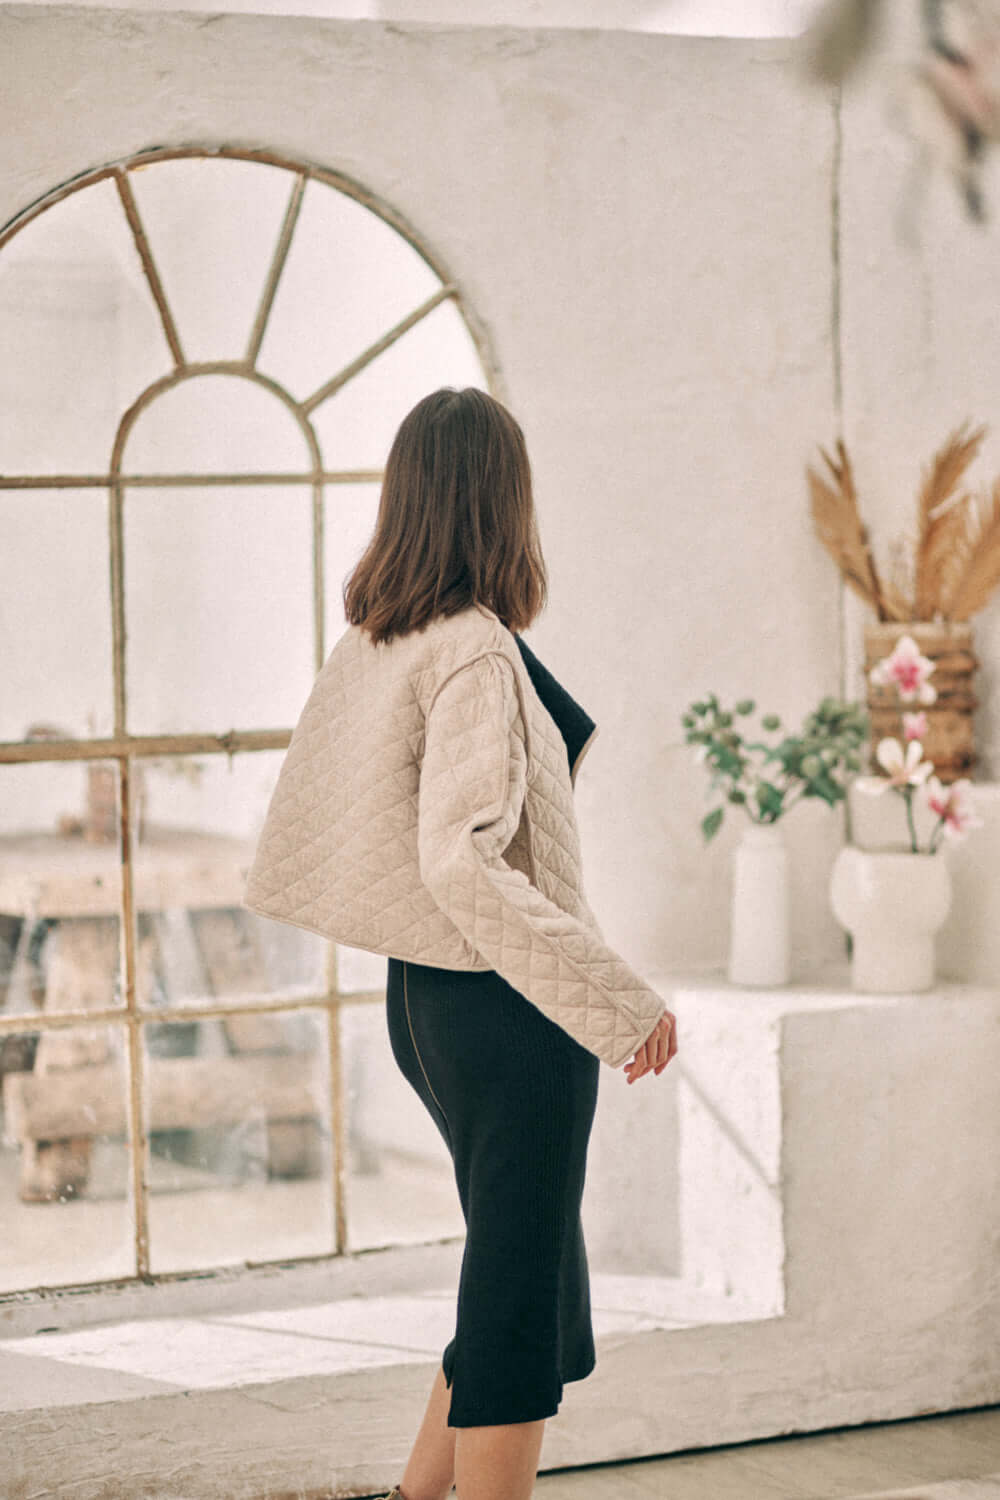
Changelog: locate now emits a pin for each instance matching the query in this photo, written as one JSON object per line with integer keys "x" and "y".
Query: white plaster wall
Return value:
{"x": 670, "y": 353}
{"x": 920, "y": 338}
{"x": 664, "y": 303}
{"x": 692, "y": 17}
{"x": 651, "y": 340}
{"x": 670, "y": 372}
{"x": 653, "y": 263}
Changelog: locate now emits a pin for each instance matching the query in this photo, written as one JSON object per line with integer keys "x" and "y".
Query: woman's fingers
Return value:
{"x": 640, "y": 1064}
{"x": 656, "y": 1051}
{"x": 667, "y": 1041}
{"x": 637, "y": 1066}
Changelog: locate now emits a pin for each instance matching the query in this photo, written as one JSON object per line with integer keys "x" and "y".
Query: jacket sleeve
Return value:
{"x": 472, "y": 788}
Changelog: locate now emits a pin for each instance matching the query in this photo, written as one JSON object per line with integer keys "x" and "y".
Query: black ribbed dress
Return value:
{"x": 513, "y": 1096}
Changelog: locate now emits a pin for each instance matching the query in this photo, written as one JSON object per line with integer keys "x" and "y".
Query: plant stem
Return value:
{"x": 908, "y": 798}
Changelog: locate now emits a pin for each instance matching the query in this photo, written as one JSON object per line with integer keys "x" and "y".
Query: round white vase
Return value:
{"x": 759, "y": 945}
{"x": 892, "y": 904}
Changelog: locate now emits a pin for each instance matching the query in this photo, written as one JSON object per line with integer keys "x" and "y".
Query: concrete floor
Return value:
{"x": 950, "y": 1457}
{"x": 932, "y": 1458}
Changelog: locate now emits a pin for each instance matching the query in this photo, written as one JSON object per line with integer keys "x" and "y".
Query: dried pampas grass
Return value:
{"x": 941, "y": 518}
{"x": 841, "y": 529}
{"x": 974, "y": 572}
{"x": 948, "y": 570}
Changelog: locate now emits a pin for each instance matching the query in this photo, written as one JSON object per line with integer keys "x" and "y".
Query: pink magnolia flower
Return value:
{"x": 902, "y": 768}
{"x": 914, "y": 726}
{"x": 908, "y": 670}
{"x": 953, "y": 806}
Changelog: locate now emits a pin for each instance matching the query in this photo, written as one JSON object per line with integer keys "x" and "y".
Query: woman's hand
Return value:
{"x": 657, "y": 1051}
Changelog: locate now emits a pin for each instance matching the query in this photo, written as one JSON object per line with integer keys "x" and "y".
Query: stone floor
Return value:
{"x": 932, "y": 1458}
{"x": 214, "y": 1348}
{"x": 951, "y": 1457}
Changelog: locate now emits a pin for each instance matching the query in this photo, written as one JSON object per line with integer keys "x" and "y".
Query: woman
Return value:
{"x": 424, "y": 811}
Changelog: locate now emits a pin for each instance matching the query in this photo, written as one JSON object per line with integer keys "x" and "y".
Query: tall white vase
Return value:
{"x": 892, "y": 905}
{"x": 759, "y": 944}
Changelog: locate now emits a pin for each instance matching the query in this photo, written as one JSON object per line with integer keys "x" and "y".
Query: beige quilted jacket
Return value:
{"x": 424, "y": 810}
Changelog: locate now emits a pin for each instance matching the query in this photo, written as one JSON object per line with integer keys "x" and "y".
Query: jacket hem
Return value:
{"x": 379, "y": 952}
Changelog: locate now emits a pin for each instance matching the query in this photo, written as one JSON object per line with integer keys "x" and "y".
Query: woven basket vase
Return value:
{"x": 949, "y": 738}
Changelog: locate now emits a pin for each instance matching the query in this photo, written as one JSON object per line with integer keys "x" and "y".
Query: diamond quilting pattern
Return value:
{"x": 414, "y": 768}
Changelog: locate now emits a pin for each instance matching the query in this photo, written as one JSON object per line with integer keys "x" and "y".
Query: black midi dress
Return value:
{"x": 513, "y": 1096}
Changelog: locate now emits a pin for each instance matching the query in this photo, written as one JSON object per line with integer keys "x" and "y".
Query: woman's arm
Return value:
{"x": 472, "y": 787}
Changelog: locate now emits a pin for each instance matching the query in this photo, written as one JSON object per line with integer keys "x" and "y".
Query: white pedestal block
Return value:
{"x": 728, "y": 1084}
{"x": 840, "y": 1163}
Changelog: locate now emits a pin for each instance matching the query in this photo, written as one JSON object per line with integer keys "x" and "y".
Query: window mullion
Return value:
{"x": 319, "y": 582}
{"x": 137, "y": 1128}
{"x": 276, "y": 268}
{"x": 330, "y": 387}
{"x": 338, "y": 1114}
{"x": 149, "y": 265}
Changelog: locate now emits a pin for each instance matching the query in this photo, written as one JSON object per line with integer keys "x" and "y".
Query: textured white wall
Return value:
{"x": 653, "y": 257}
{"x": 646, "y": 226}
{"x": 693, "y": 17}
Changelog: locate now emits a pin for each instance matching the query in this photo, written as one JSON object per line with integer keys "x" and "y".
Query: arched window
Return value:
{"x": 205, "y": 357}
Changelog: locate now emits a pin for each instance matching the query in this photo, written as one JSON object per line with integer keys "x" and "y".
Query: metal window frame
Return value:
{"x": 123, "y": 748}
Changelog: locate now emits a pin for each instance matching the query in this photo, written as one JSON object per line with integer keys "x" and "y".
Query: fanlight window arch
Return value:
{"x": 206, "y": 356}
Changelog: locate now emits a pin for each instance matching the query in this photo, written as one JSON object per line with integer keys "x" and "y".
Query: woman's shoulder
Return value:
{"x": 450, "y": 640}
{"x": 476, "y": 626}
{"x": 473, "y": 626}
{"x": 453, "y": 642}
{"x": 426, "y": 657}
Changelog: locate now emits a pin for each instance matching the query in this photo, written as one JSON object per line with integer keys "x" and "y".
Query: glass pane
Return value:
{"x": 56, "y": 658}
{"x": 64, "y": 1165}
{"x": 350, "y": 511}
{"x": 357, "y": 425}
{"x": 400, "y": 1182}
{"x": 60, "y": 886}
{"x": 201, "y": 819}
{"x": 358, "y": 971}
{"x": 216, "y": 424}
{"x": 80, "y": 332}
{"x": 239, "y": 1142}
{"x": 212, "y": 226}
{"x": 218, "y": 596}
{"x": 348, "y": 278}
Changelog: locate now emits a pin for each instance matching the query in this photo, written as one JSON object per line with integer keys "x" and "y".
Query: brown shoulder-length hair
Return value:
{"x": 456, "y": 522}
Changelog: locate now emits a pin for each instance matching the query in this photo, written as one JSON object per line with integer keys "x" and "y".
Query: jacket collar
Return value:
{"x": 573, "y": 722}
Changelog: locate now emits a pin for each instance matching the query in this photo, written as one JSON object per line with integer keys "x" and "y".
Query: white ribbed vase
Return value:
{"x": 759, "y": 945}
{"x": 892, "y": 904}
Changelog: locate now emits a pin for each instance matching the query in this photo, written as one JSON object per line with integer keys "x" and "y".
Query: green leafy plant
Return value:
{"x": 767, "y": 776}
